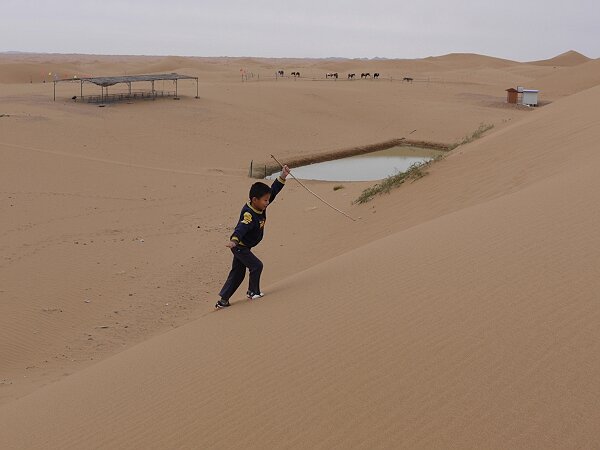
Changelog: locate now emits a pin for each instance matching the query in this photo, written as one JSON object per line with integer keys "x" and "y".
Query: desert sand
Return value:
{"x": 459, "y": 311}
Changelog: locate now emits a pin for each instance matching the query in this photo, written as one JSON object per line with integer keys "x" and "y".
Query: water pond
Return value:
{"x": 366, "y": 167}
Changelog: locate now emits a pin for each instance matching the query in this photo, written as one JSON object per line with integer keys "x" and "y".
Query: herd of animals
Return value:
{"x": 335, "y": 75}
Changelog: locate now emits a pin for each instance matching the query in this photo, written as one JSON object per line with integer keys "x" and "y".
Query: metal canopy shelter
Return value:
{"x": 105, "y": 82}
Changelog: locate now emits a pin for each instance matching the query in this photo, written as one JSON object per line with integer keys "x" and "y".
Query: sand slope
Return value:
{"x": 569, "y": 80}
{"x": 475, "y": 327}
{"x": 569, "y": 58}
{"x": 470, "y": 60}
{"x": 127, "y": 205}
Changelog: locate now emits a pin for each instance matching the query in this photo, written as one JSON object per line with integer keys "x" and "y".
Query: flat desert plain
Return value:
{"x": 460, "y": 310}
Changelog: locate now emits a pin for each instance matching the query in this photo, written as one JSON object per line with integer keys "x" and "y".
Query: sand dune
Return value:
{"x": 570, "y": 58}
{"x": 569, "y": 80}
{"x": 462, "y": 314}
{"x": 26, "y": 67}
{"x": 68, "y": 236}
{"x": 471, "y": 60}
{"x": 25, "y": 72}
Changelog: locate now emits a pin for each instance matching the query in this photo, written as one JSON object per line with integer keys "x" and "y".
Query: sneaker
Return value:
{"x": 222, "y": 304}
{"x": 253, "y": 296}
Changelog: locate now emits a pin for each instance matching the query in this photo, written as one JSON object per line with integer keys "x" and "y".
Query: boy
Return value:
{"x": 247, "y": 234}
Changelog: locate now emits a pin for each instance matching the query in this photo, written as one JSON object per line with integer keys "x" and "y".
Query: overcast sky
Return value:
{"x": 520, "y": 30}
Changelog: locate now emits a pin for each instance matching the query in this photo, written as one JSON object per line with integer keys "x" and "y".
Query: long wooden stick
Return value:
{"x": 316, "y": 195}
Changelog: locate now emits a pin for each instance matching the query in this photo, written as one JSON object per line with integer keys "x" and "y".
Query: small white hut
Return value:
{"x": 530, "y": 97}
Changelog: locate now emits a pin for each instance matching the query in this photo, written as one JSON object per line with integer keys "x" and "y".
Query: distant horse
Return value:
{"x": 351, "y": 76}
{"x": 376, "y": 75}
{"x": 280, "y": 73}
{"x": 332, "y": 75}
{"x": 365, "y": 75}
{"x": 409, "y": 79}
{"x": 295, "y": 74}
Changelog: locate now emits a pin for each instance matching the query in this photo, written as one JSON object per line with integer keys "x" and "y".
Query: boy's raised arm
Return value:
{"x": 278, "y": 184}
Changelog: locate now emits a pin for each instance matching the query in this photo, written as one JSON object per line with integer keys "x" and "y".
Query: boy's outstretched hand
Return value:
{"x": 285, "y": 172}
{"x": 231, "y": 244}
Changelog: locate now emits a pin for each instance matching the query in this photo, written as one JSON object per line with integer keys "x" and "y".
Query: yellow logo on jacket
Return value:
{"x": 262, "y": 223}
{"x": 247, "y": 218}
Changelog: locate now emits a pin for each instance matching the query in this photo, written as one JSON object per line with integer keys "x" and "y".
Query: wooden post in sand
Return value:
{"x": 54, "y": 90}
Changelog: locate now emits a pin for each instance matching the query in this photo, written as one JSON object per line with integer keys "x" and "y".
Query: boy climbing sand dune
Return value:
{"x": 247, "y": 234}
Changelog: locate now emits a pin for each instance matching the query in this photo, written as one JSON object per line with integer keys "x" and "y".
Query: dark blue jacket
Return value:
{"x": 250, "y": 228}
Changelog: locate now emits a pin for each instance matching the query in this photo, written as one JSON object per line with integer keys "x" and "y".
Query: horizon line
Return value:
{"x": 18, "y": 52}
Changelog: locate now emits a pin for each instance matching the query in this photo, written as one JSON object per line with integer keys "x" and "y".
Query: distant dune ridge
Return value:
{"x": 18, "y": 67}
{"x": 570, "y": 80}
{"x": 471, "y": 60}
{"x": 459, "y": 311}
{"x": 570, "y": 58}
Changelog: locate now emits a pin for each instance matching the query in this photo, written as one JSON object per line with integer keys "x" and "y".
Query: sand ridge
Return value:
{"x": 568, "y": 58}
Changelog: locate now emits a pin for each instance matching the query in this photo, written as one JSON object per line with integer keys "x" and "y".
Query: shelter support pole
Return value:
{"x": 175, "y": 88}
{"x": 197, "y": 93}
{"x": 129, "y": 88}
{"x": 152, "y": 89}
{"x": 81, "y": 89}
{"x": 55, "y": 91}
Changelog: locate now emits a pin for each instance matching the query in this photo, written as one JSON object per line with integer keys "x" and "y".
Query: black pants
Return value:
{"x": 242, "y": 258}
